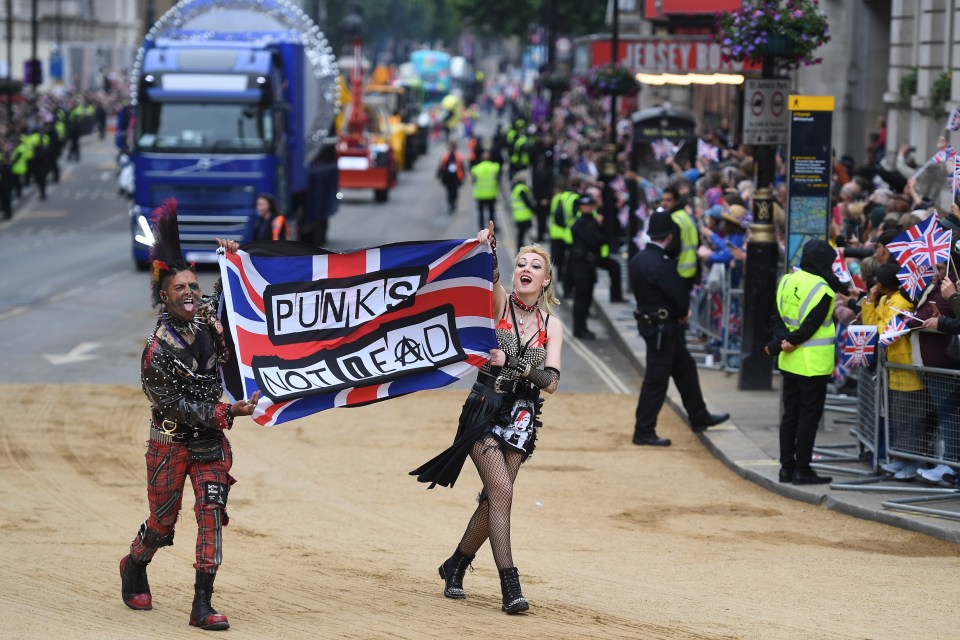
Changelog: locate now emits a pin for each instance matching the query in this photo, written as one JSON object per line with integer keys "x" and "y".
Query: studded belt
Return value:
{"x": 167, "y": 431}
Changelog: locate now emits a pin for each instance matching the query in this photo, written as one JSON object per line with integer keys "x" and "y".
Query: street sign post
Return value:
{"x": 765, "y": 119}
{"x": 808, "y": 172}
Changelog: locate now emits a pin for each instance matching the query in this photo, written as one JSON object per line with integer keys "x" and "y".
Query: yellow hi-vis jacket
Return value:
{"x": 687, "y": 260}
{"x": 485, "y": 180}
{"x": 798, "y": 293}
{"x": 562, "y": 216}
{"x": 521, "y": 212}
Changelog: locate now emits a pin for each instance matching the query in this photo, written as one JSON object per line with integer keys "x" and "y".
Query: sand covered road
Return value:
{"x": 329, "y": 538}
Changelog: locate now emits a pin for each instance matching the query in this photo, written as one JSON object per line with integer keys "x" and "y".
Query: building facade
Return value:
{"x": 892, "y": 59}
{"x": 923, "y": 78}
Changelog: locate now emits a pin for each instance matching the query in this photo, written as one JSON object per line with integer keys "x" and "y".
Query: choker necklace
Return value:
{"x": 521, "y": 305}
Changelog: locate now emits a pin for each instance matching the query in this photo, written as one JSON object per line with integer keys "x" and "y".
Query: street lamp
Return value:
{"x": 760, "y": 270}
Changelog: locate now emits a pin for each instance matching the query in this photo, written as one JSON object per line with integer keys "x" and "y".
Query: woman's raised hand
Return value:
{"x": 230, "y": 246}
{"x": 486, "y": 235}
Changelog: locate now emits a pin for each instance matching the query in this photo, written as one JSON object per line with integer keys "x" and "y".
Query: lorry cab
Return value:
{"x": 210, "y": 132}
{"x": 232, "y": 99}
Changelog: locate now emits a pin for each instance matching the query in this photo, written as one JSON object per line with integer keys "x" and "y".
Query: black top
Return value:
{"x": 656, "y": 283}
{"x": 588, "y": 236}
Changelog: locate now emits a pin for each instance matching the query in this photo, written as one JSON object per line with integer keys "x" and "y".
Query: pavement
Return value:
{"x": 749, "y": 442}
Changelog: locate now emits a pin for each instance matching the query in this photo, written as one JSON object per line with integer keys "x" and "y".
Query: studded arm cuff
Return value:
{"x": 223, "y": 417}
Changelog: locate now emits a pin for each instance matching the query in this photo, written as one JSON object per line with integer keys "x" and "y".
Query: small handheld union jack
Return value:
{"x": 860, "y": 346}
{"x": 840, "y": 268}
{"x": 943, "y": 155}
{"x": 662, "y": 149}
{"x": 914, "y": 278}
{"x": 707, "y": 151}
{"x": 925, "y": 243}
{"x": 896, "y": 328}
{"x": 953, "y": 123}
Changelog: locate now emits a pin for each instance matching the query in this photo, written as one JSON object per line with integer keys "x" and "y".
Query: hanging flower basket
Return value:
{"x": 555, "y": 81}
{"x": 610, "y": 80}
{"x": 790, "y": 32}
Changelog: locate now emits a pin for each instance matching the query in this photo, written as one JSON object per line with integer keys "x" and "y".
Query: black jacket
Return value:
{"x": 588, "y": 237}
{"x": 656, "y": 283}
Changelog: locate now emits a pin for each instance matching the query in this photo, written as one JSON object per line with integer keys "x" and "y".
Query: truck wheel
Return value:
{"x": 381, "y": 195}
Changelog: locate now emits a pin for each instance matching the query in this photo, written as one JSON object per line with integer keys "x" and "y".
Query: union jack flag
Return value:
{"x": 914, "y": 278}
{"x": 859, "y": 346}
{"x": 662, "y": 149}
{"x": 953, "y": 123}
{"x": 925, "y": 243}
{"x": 943, "y": 155}
{"x": 956, "y": 178}
{"x": 840, "y": 268}
{"x": 313, "y": 330}
{"x": 895, "y": 328}
{"x": 707, "y": 151}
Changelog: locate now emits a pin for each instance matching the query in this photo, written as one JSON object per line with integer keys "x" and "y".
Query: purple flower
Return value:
{"x": 776, "y": 17}
{"x": 727, "y": 41}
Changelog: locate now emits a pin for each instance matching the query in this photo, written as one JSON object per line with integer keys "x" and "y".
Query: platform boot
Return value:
{"x": 513, "y": 600}
{"x": 134, "y": 588}
{"x": 203, "y": 614}
{"x": 452, "y": 571}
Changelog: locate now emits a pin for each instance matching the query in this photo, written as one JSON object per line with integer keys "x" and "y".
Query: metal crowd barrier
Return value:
{"x": 715, "y": 326}
{"x": 910, "y": 412}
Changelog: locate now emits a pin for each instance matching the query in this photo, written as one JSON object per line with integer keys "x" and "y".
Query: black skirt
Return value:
{"x": 483, "y": 410}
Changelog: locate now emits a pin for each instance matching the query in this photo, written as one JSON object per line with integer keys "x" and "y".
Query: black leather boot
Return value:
{"x": 452, "y": 571}
{"x": 134, "y": 588}
{"x": 203, "y": 614}
{"x": 513, "y": 600}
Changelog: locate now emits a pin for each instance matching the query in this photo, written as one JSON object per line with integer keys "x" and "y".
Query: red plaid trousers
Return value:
{"x": 168, "y": 466}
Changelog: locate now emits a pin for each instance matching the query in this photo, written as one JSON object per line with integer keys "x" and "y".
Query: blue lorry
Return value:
{"x": 230, "y": 99}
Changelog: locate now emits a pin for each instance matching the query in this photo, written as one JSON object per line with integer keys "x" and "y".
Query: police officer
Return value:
{"x": 39, "y": 168}
{"x": 686, "y": 239}
{"x": 522, "y": 206}
{"x": 663, "y": 308}
{"x": 562, "y": 217}
{"x": 486, "y": 182}
{"x": 6, "y": 186}
{"x": 804, "y": 337}
{"x": 588, "y": 238}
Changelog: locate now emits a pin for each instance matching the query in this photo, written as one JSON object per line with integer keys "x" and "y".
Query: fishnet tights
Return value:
{"x": 498, "y": 471}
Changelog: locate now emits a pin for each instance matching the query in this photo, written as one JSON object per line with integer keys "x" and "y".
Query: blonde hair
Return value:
{"x": 548, "y": 297}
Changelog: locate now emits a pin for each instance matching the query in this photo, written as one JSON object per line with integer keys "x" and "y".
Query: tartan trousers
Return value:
{"x": 168, "y": 465}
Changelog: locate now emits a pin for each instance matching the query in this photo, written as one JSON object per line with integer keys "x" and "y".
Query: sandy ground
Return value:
{"x": 330, "y": 538}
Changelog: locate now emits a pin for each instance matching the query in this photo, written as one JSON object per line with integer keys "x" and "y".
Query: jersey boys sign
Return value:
{"x": 314, "y": 330}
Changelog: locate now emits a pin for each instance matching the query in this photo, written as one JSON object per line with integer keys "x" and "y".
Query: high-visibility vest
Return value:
{"x": 568, "y": 201}
{"x": 19, "y": 166}
{"x": 521, "y": 212}
{"x": 485, "y": 180}
{"x": 798, "y": 293}
{"x": 279, "y": 228}
{"x": 26, "y": 146}
{"x": 454, "y": 158}
{"x": 61, "y": 129}
{"x": 687, "y": 260}
{"x": 519, "y": 156}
